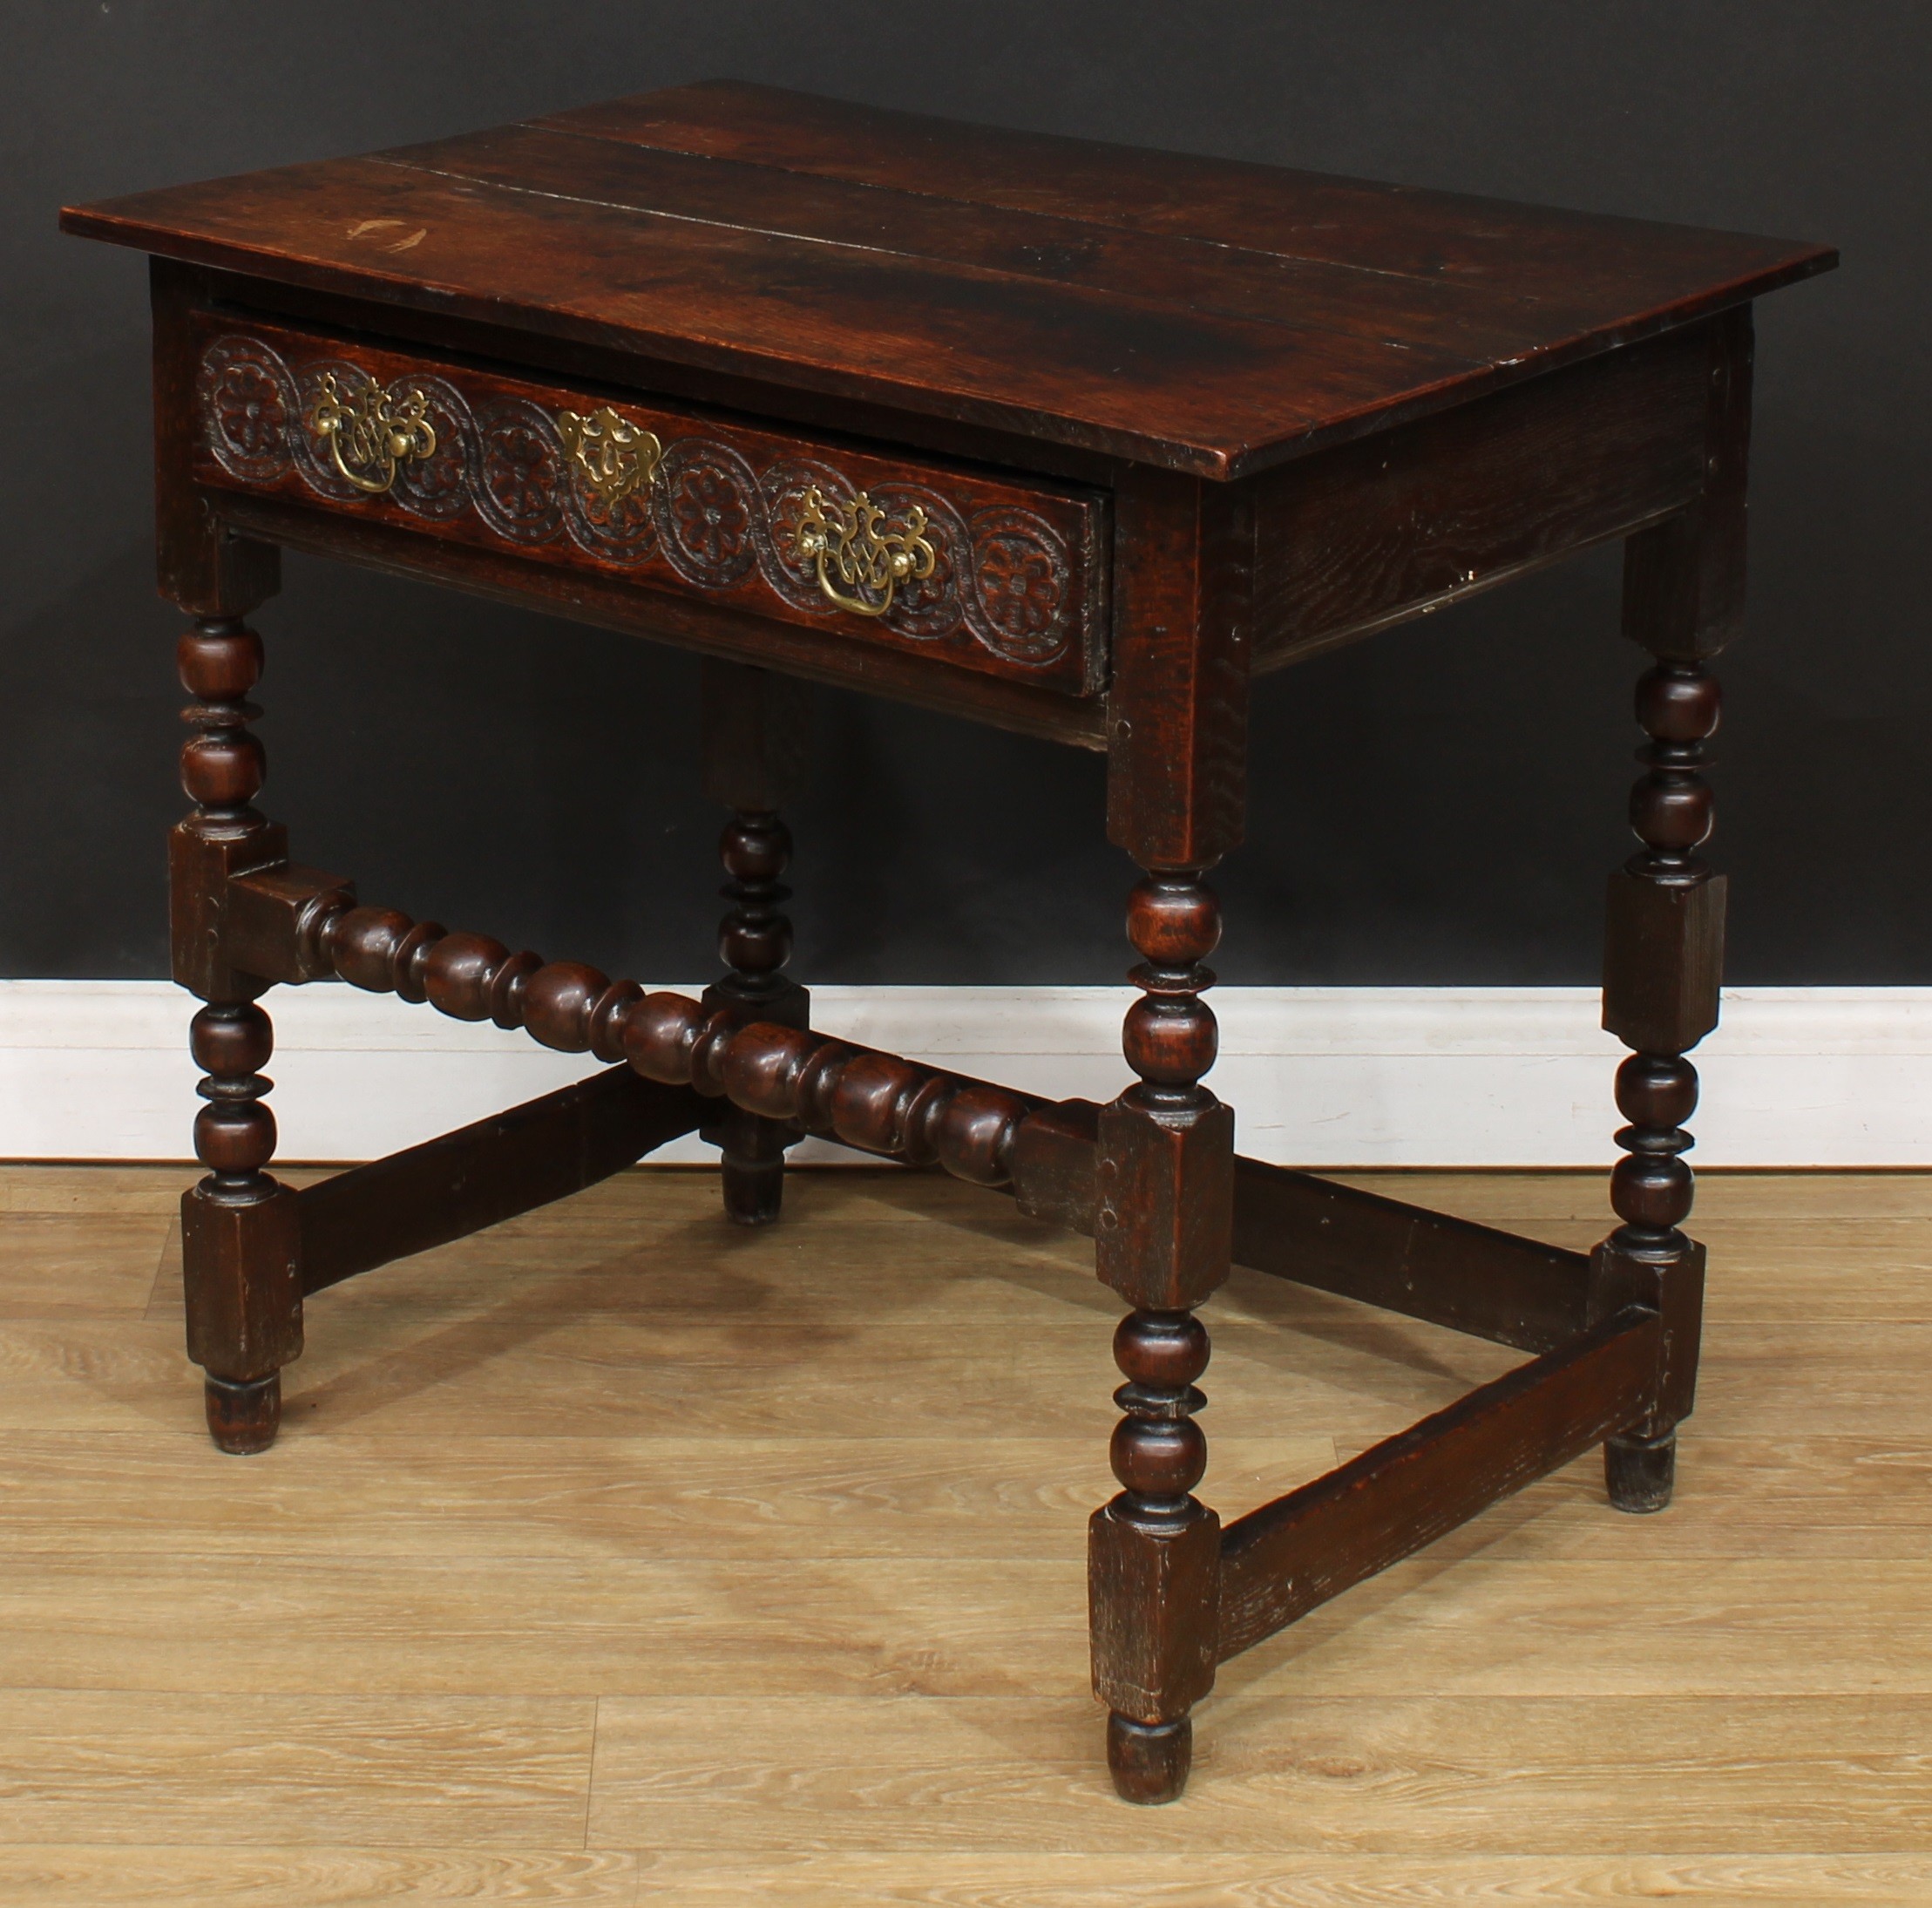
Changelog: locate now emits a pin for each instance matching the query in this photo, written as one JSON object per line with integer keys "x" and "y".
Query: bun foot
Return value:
{"x": 1150, "y": 1760}
{"x": 1640, "y": 1472}
{"x": 244, "y": 1418}
{"x": 754, "y": 1190}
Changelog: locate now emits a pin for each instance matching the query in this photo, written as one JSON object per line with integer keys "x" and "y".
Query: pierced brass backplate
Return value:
{"x": 370, "y": 436}
{"x": 870, "y": 561}
{"x": 613, "y": 456}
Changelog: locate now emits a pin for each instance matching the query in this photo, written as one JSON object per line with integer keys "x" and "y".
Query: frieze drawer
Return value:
{"x": 999, "y": 575}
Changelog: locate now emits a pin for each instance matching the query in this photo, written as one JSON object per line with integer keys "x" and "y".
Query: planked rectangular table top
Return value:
{"x": 1202, "y": 315}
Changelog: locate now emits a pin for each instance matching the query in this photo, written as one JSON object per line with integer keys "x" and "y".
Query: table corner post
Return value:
{"x": 1177, "y": 747}
{"x": 240, "y": 1237}
{"x": 204, "y": 568}
{"x": 1664, "y": 928}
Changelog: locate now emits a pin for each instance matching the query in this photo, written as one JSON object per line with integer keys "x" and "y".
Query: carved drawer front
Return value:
{"x": 1001, "y": 574}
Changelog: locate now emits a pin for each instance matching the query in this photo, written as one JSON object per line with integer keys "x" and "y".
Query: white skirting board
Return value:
{"x": 1319, "y": 1076}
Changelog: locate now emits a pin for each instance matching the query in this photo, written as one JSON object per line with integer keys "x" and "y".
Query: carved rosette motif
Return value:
{"x": 247, "y": 399}
{"x": 624, "y": 531}
{"x": 929, "y": 607}
{"x": 1004, "y": 576}
{"x": 438, "y": 488}
{"x": 707, "y": 506}
{"x": 521, "y": 473}
{"x": 1022, "y": 578}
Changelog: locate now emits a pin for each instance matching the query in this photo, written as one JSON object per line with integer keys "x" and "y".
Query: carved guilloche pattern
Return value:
{"x": 1008, "y": 585}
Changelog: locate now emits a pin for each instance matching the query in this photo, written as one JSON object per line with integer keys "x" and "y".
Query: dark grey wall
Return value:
{"x": 1437, "y": 805}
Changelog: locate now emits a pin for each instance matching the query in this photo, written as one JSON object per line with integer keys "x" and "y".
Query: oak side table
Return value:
{"x": 1069, "y": 439}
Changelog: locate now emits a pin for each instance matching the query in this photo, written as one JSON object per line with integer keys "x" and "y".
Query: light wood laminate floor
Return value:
{"x": 620, "y": 1557}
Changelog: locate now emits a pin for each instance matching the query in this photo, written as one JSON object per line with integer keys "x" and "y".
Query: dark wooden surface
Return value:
{"x": 1664, "y": 943}
{"x": 484, "y": 1173}
{"x": 1431, "y": 1266}
{"x": 201, "y": 570}
{"x": 1182, "y": 651}
{"x": 1382, "y": 529}
{"x": 1303, "y": 408}
{"x": 876, "y": 1101}
{"x": 1356, "y": 1244}
{"x": 836, "y": 656}
{"x": 1018, "y": 586}
{"x": 1281, "y": 1561}
{"x": 755, "y": 728}
{"x": 1204, "y": 315}
{"x": 239, "y": 1238}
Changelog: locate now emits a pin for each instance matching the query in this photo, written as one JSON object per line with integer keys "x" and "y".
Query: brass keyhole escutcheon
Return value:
{"x": 612, "y": 457}
{"x": 869, "y": 557}
{"x": 372, "y": 435}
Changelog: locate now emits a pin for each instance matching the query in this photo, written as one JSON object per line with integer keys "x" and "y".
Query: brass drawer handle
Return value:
{"x": 614, "y": 455}
{"x": 380, "y": 433}
{"x": 851, "y": 542}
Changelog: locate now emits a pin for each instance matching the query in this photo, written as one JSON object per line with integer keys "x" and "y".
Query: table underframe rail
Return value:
{"x": 480, "y": 1175}
{"x": 673, "y": 1058}
{"x": 1290, "y": 1555}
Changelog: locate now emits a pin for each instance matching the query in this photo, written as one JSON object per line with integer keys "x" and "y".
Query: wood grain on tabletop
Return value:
{"x": 994, "y": 276}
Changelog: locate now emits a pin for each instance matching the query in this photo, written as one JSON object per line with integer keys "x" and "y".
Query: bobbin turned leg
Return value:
{"x": 755, "y": 728}
{"x": 1666, "y": 954}
{"x": 1164, "y": 1214}
{"x": 1166, "y": 1204}
{"x": 239, "y": 1241}
{"x": 1664, "y": 958}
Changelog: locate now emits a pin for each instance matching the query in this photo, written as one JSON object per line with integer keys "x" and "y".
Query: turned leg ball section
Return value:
{"x": 754, "y": 943}
{"x": 243, "y": 1298}
{"x": 1158, "y": 1547}
{"x": 754, "y": 728}
{"x": 234, "y": 1138}
{"x": 1663, "y": 967}
{"x": 1164, "y": 1229}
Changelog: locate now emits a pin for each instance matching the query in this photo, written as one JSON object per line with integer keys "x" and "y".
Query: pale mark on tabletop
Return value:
{"x": 367, "y": 225}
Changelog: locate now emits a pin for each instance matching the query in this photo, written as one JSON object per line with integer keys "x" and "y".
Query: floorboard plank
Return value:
{"x": 128, "y": 1765}
{"x": 172, "y": 1875}
{"x": 620, "y": 1557}
{"x": 1370, "y": 1775}
{"x": 584, "y": 1498}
